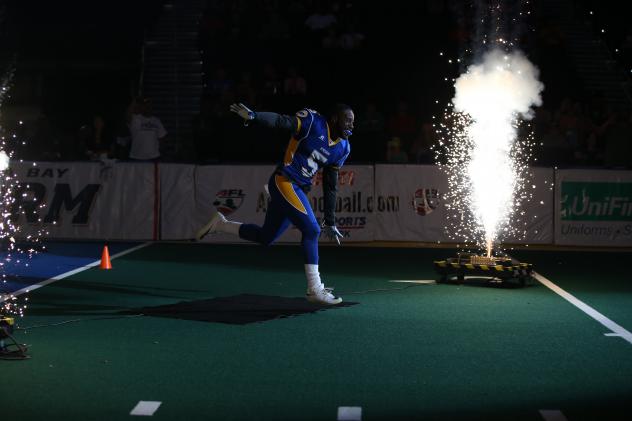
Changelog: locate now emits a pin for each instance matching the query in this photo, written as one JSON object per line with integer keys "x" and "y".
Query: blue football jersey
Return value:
{"x": 312, "y": 148}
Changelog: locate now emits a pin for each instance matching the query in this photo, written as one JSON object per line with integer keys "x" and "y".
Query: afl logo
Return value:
{"x": 425, "y": 201}
{"x": 229, "y": 200}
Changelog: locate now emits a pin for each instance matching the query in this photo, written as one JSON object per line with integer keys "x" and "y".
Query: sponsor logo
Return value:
{"x": 345, "y": 178}
{"x": 612, "y": 233}
{"x": 228, "y": 201}
{"x": 30, "y": 198}
{"x": 42, "y": 202}
{"x": 46, "y": 172}
{"x": 350, "y": 202}
{"x": 596, "y": 201}
{"x": 425, "y": 201}
{"x": 357, "y": 202}
{"x": 346, "y": 225}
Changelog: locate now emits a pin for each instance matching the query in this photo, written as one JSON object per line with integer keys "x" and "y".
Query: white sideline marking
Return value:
{"x": 349, "y": 413}
{"x": 615, "y": 328}
{"x": 145, "y": 408}
{"x": 30, "y": 288}
{"x": 552, "y": 415}
{"x": 420, "y": 281}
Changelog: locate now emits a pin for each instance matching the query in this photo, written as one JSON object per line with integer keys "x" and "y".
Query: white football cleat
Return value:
{"x": 323, "y": 296}
{"x": 211, "y": 226}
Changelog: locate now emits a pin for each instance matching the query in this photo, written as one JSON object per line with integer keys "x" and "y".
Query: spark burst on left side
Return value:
{"x": 12, "y": 252}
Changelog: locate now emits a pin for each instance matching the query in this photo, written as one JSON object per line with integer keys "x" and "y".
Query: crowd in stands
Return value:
{"x": 572, "y": 128}
{"x": 575, "y": 126}
{"x": 284, "y": 56}
{"x": 292, "y": 58}
{"x": 587, "y": 135}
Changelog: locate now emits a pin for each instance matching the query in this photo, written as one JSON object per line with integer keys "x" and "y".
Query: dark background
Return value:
{"x": 75, "y": 60}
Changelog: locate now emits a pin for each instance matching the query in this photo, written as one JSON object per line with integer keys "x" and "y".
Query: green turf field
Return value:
{"x": 226, "y": 335}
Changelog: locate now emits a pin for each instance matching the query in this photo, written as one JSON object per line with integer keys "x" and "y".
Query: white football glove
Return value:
{"x": 242, "y": 111}
{"x": 331, "y": 231}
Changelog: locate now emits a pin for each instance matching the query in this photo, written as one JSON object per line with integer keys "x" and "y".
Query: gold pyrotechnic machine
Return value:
{"x": 10, "y": 349}
{"x": 503, "y": 269}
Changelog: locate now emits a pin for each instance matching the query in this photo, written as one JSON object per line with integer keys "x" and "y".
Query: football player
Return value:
{"x": 316, "y": 142}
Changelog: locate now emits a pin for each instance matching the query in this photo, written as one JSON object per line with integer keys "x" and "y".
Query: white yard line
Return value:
{"x": 616, "y": 330}
{"x": 552, "y": 415}
{"x": 67, "y": 274}
{"x": 349, "y": 413}
{"x": 415, "y": 281}
{"x": 146, "y": 408}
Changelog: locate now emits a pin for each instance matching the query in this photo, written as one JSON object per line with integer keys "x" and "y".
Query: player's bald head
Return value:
{"x": 341, "y": 117}
{"x": 339, "y": 109}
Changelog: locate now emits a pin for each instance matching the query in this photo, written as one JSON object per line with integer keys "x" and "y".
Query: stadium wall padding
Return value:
{"x": 146, "y": 201}
{"x": 85, "y": 200}
{"x": 593, "y": 208}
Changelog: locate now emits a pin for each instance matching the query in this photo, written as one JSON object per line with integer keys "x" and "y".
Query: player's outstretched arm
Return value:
{"x": 266, "y": 119}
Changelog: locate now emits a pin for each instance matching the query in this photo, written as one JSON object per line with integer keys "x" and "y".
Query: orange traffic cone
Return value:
{"x": 105, "y": 259}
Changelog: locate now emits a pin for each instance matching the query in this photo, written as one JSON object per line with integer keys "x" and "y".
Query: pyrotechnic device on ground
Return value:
{"x": 493, "y": 268}
{"x": 10, "y": 349}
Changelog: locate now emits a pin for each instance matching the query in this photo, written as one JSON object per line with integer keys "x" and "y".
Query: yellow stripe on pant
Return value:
{"x": 287, "y": 191}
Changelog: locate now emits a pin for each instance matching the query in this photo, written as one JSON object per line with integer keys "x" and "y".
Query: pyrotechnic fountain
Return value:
{"x": 480, "y": 151}
{"x": 486, "y": 165}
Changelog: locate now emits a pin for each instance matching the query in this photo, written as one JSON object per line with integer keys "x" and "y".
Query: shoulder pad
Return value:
{"x": 305, "y": 112}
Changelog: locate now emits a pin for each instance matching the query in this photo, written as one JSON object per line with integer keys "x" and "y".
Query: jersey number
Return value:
{"x": 312, "y": 162}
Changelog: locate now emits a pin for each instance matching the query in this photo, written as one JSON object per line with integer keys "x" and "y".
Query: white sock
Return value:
{"x": 229, "y": 227}
{"x": 313, "y": 278}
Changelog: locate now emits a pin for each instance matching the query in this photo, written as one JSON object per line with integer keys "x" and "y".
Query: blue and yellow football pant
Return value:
{"x": 288, "y": 205}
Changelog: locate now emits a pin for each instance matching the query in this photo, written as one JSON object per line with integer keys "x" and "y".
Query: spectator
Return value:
{"x": 351, "y": 39}
{"x": 555, "y": 147}
{"x": 94, "y": 139}
{"x": 203, "y": 133}
{"x": 371, "y": 120}
{"x": 394, "y": 152}
{"x": 346, "y": 13}
{"x": 421, "y": 150}
{"x": 320, "y": 20}
{"x": 45, "y": 145}
{"x": 402, "y": 124}
{"x": 122, "y": 139}
{"x": 294, "y": 84}
{"x": 244, "y": 90}
{"x": 331, "y": 40}
{"x": 271, "y": 86}
{"x": 147, "y": 131}
{"x": 568, "y": 122}
{"x": 616, "y": 136}
{"x": 219, "y": 84}
{"x": 295, "y": 89}
{"x": 370, "y": 128}
{"x": 541, "y": 122}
